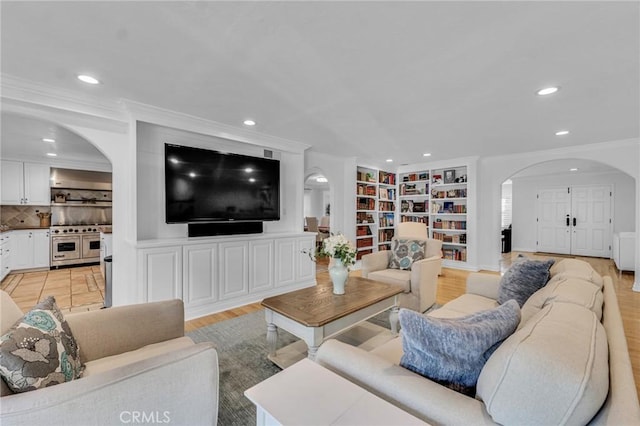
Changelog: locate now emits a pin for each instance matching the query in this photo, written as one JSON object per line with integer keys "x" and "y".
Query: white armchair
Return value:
{"x": 420, "y": 284}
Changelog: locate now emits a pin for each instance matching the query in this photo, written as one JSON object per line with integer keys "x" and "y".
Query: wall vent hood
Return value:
{"x": 80, "y": 179}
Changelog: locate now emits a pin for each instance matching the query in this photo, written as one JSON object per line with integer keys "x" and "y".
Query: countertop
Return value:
{"x": 6, "y": 228}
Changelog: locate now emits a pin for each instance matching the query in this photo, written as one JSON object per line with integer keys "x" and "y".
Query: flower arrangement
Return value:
{"x": 338, "y": 247}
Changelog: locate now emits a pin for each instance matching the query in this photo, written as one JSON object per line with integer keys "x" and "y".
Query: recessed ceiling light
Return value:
{"x": 322, "y": 179}
{"x": 426, "y": 154}
{"x": 252, "y": 180}
{"x": 389, "y": 160}
{"x": 173, "y": 160}
{"x": 574, "y": 169}
{"x": 48, "y": 140}
{"x": 547, "y": 91}
{"x": 249, "y": 123}
{"x": 52, "y": 154}
{"x": 248, "y": 170}
{"x": 562, "y": 133}
{"x": 88, "y": 79}
{"x": 192, "y": 174}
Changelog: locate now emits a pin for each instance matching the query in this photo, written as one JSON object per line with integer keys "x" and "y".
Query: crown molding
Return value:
{"x": 26, "y": 91}
{"x": 167, "y": 118}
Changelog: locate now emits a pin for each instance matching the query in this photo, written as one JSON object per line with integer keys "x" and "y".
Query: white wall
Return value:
{"x": 524, "y": 232}
{"x": 492, "y": 171}
{"x": 151, "y": 219}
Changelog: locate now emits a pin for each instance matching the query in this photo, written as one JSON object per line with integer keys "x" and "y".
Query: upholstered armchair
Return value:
{"x": 420, "y": 283}
{"x": 137, "y": 362}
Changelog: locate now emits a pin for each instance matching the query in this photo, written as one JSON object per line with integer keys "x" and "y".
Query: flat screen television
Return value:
{"x": 203, "y": 185}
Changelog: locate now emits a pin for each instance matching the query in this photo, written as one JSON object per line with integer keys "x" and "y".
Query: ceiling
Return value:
{"x": 374, "y": 80}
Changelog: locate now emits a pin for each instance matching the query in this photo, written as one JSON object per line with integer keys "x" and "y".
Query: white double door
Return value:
{"x": 575, "y": 220}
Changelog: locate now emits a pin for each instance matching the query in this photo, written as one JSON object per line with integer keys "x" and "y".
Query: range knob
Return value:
{"x": 64, "y": 230}
{"x": 75, "y": 230}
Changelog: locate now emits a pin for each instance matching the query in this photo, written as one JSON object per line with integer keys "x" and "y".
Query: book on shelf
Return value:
{"x": 406, "y": 206}
{"x": 386, "y": 220}
{"x": 387, "y": 194}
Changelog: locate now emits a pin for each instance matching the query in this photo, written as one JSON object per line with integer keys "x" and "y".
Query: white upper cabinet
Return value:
{"x": 25, "y": 183}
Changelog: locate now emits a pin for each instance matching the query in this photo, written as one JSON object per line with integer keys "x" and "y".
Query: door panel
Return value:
{"x": 553, "y": 233}
{"x": 591, "y": 208}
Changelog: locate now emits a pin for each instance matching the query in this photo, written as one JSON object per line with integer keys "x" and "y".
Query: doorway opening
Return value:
{"x": 568, "y": 206}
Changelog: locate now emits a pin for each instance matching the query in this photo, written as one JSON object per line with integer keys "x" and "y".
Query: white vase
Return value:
{"x": 339, "y": 274}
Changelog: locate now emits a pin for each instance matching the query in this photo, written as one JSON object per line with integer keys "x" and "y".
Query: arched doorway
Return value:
{"x": 568, "y": 206}
{"x": 42, "y": 144}
{"x": 317, "y": 199}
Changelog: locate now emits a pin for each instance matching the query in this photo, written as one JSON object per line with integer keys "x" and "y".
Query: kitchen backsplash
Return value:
{"x": 16, "y": 216}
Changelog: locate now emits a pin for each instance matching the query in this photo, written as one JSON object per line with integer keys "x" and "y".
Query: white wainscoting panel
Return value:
{"x": 162, "y": 273}
{"x": 285, "y": 261}
{"x": 234, "y": 263}
{"x": 261, "y": 268}
{"x": 200, "y": 274}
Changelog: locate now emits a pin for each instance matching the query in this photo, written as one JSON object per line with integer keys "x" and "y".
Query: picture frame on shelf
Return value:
{"x": 437, "y": 179}
{"x": 450, "y": 176}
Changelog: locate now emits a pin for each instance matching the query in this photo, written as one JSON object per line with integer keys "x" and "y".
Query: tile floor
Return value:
{"x": 75, "y": 289}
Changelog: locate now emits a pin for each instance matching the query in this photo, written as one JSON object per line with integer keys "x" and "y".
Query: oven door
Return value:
{"x": 64, "y": 249}
{"x": 91, "y": 246}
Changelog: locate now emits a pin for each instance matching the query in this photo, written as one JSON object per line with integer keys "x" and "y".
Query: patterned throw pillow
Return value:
{"x": 522, "y": 279}
{"x": 452, "y": 351}
{"x": 405, "y": 252}
{"x": 39, "y": 350}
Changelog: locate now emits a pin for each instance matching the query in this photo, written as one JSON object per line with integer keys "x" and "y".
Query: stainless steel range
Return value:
{"x": 72, "y": 245}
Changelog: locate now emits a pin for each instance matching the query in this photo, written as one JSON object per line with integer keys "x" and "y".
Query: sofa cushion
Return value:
{"x": 397, "y": 277}
{"x": 555, "y": 370}
{"x": 523, "y": 279}
{"x": 576, "y": 268}
{"x": 464, "y": 305}
{"x": 565, "y": 289}
{"x": 115, "y": 361}
{"x": 453, "y": 351}
{"x": 404, "y": 252}
{"x": 39, "y": 350}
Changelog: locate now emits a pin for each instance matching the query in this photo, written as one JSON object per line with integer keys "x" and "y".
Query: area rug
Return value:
{"x": 242, "y": 355}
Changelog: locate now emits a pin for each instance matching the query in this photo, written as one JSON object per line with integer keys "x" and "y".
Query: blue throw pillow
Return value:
{"x": 453, "y": 351}
{"x": 523, "y": 279}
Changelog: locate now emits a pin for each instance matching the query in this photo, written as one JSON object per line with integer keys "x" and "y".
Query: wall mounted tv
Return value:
{"x": 202, "y": 185}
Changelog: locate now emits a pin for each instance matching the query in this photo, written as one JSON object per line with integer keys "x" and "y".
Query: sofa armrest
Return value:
{"x": 483, "y": 284}
{"x": 424, "y": 281}
{"x": 376, "y": 261}
{"x": 178, "y": 388}
{"x": 411, "y": 392}
{"x": 120, "y": 329}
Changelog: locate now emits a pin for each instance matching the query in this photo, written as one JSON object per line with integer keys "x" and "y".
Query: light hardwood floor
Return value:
{"x": 82, "y": 288}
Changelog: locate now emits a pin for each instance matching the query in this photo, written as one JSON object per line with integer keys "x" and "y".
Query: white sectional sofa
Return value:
{"x": 567, "y": 363}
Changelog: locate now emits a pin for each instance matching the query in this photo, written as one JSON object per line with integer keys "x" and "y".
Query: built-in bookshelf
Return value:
{"x": 413, "y": 197}
{"x": 376, "y": 204}
{"x": 448, "y": 212}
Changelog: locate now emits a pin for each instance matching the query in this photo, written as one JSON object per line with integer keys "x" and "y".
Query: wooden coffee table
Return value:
{"x": 315, "y": 314}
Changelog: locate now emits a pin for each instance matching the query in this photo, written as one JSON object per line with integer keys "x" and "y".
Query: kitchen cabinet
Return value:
{"x": 25, "y": 183}
{"x": 6, "y": 249}
{"x": 31, "y": 249}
